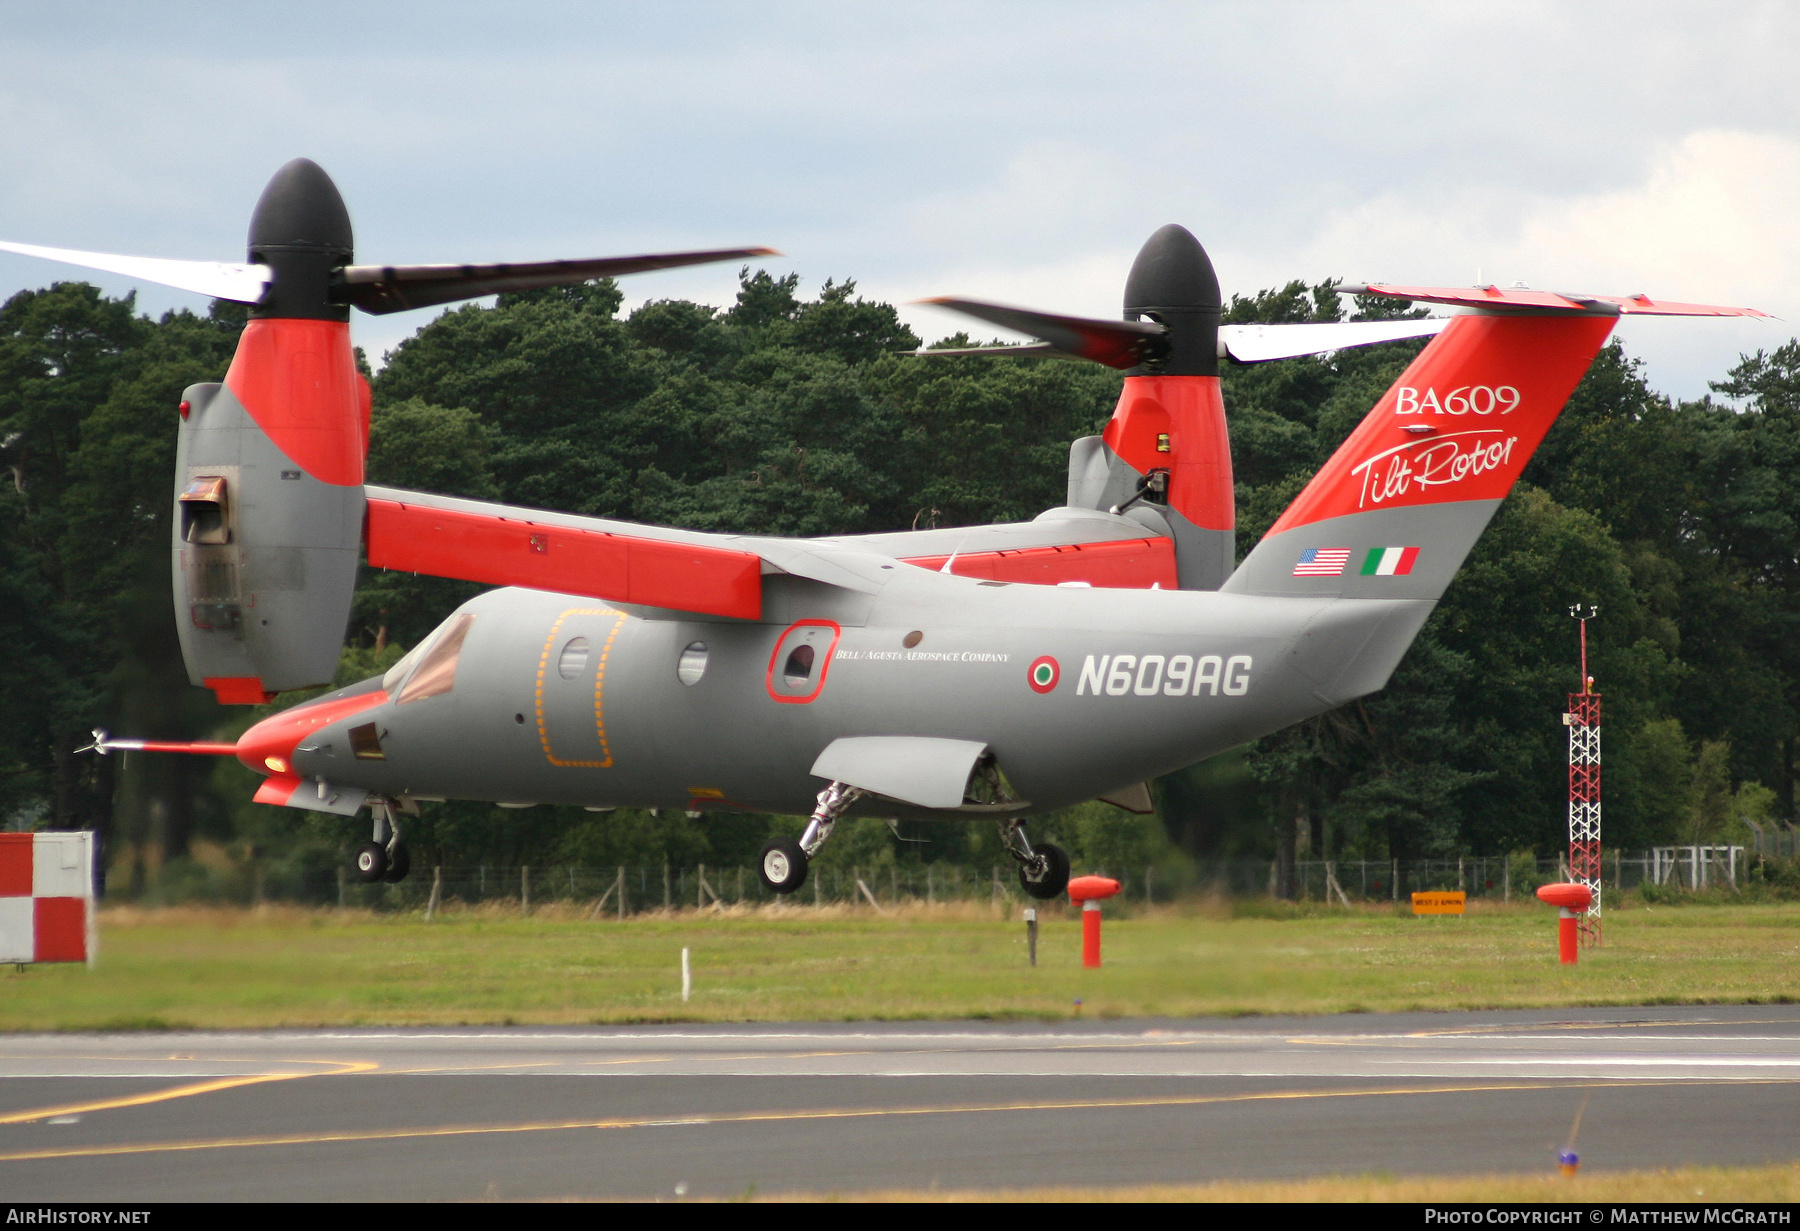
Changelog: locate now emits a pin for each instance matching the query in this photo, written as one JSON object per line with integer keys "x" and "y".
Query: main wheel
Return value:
{"x": 1054, "y": 879}
{"x": 399, "y": 864}
{"x": 370, "y": 862}
{"x": 782, "y": 865}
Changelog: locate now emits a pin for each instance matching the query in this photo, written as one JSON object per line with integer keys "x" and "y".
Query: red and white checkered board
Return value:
{"x": 46, "y": 897}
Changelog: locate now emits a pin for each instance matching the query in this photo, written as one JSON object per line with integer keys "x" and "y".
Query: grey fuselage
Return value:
{"x": 1145, "y": 682}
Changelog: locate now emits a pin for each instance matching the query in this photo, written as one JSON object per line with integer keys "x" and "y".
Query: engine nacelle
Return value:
{"x": 269, "y": 465}
{"x": 265, "y": 551}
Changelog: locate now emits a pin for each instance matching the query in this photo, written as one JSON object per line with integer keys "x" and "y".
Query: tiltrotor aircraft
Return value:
{"x": 959, "y": 674}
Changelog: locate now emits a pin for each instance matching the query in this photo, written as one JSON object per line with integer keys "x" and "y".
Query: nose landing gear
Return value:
{"x": 385, "y": 858}
{"x": 783, "y": 862}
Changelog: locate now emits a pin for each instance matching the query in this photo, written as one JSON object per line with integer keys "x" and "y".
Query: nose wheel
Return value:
{"x": 385, "y": 858}
{"x": 370, "y": 862}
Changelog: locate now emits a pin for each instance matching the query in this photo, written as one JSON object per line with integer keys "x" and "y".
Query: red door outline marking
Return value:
{"x": 824, "y": 668}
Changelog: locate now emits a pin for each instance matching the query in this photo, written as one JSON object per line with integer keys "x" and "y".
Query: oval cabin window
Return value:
{"x": 573, "y": 658}
{"x": 799, "y": 666}
{"x": 692, "y": 664}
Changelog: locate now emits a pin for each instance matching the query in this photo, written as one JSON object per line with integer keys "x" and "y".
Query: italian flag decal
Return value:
{"x": 1389, "y": 561}
{"x": 1043, "y": 674}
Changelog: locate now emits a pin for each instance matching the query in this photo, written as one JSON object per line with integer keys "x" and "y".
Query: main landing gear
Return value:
{"x": 1043, "y": 868}
{"x": 784, "y": 861}
{"x": 384, "y": 858}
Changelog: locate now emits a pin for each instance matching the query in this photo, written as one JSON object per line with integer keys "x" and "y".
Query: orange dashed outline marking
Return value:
{"x": 543, "y": 725}
{"x": 599, "y": 683}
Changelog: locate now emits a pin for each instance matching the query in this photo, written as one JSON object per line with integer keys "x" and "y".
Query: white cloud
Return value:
{"x": 1711, "y": 222}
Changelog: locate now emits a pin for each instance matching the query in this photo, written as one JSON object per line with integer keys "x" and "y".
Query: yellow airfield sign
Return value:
{"x": 1439, "y": 903}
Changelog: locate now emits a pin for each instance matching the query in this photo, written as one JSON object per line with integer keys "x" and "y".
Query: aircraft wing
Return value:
{"x": 502, "y": 545}
{"x": 721, "y": 574}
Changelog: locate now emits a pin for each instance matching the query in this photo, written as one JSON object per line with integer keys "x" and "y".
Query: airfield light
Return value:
{"x": 1089, "y": 891}
{"x": 1570, "y": 899}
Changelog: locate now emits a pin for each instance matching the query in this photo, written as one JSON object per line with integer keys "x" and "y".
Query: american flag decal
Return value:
{"x": 1322, "y": 562}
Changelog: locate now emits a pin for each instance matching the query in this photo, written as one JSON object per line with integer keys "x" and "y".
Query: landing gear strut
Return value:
{"x": 1043, "y": 868}
{"x": 783, "y": 862}
{"x": 385, "y": 858}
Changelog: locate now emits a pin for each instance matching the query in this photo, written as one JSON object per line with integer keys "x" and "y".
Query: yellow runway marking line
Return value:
{"x": 767, "y": 1117}
{"x": 1515, "y": 1029}
{"x": 174, "y": 1092}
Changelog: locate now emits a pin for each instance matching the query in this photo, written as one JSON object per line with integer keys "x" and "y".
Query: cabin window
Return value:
{"x": 573, "y": 658}
{"x": 436, "y": 674}
{"x": 692, "y": 663}
{"x": 799, "y": 666}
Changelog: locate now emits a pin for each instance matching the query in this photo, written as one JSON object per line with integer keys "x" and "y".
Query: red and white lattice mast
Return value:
{"x": 1583, "y": 719}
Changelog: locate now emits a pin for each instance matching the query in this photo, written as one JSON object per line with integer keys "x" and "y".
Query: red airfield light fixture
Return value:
{"x": 1570, "y": 899}
{"x": 1089, "y": 891}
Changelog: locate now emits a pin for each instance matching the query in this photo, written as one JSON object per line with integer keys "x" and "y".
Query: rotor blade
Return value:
{"x": 1260, "y": 343}
{"x": 1034, "y": 350}
{"x": 380, "y": 289}
{"x": 1117, "y": 344}
{"x": 238, "y": 283}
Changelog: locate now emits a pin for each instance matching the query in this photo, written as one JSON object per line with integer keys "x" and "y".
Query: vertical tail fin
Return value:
{"x": 1399, "y": 505}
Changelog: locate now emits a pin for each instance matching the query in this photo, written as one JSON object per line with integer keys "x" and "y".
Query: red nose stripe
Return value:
{"x": 276, "y": 737}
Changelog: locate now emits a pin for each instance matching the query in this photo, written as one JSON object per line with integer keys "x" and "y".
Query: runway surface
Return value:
{"x": 450, "y": 1114}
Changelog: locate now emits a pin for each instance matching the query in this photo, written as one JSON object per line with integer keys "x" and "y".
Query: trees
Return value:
{"x": 87, "y": 396}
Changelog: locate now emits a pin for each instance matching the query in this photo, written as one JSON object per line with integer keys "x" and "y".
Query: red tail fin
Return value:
{"x": 1404, "y": 498}
{"x": 1461, "y": 422}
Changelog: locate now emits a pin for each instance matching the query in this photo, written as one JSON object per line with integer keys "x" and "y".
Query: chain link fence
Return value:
{"x": 618, "y": 891}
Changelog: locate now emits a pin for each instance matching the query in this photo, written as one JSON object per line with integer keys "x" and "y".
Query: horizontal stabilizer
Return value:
{"x": 1117, "y": 344}
{"x": 1261, "y": 343}
{"x": 238, "y": 283}
{"x": 1523, "y": 299}
{"x": 380, "y": 289}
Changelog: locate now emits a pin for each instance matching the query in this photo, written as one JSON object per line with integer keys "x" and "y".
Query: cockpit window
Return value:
{"x": 391, "y": 678}
{"x": 436, "y": 674}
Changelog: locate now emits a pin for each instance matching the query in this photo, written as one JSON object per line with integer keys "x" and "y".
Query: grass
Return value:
{"x": 179, "y": 967}
{"x": 1774, "y": 1183}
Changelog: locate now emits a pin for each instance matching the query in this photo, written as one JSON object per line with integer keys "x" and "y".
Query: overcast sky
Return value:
{"x": 1011, "y": 151}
